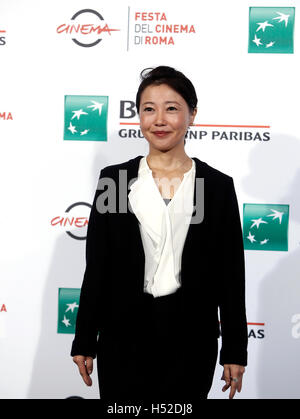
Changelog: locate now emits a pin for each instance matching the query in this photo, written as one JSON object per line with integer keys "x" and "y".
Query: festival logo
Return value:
{"x": 68, "y": 303}
{"x": 86, "y": 118}
{"x": 157, "y": 28}
{"x": 266, "y": 227}
{"x": 87, "y": 28}
{"x": 271, "y": 30}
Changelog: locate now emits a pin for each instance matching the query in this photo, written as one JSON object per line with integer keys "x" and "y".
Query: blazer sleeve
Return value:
{"x": 232, "y": 290}
{"x": 92, "y": 294}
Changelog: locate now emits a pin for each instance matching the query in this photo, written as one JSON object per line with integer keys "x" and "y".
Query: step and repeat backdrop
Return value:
{"x": 69, "y": 75}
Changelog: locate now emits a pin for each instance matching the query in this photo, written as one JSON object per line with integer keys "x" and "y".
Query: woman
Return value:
{"x": 158, "y": 274}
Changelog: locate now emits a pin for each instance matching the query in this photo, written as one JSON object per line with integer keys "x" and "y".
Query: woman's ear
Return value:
{"x": 193, "y": 115}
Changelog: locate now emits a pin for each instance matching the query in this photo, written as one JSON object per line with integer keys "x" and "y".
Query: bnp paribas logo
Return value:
{"x": 86, "y": 118}
{"x": 266, "y": 227}
{"x": 271, "y": 30}
{"x": 68, "y": 303}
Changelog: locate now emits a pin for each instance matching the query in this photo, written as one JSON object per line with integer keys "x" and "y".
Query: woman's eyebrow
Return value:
{"x": 172, "y": 101}
{"x": 145, "y": 103}
{"x": 167, "y": 102}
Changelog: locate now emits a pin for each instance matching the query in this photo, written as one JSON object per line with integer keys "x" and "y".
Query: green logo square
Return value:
{"x": 68, "y": 303}
{"x": 271, "y": 30}
{"x": 265, "y": 227}
{"x": 86, "y": 118}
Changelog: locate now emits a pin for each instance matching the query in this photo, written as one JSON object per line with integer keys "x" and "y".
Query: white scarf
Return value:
{"x": 163, "y": 228}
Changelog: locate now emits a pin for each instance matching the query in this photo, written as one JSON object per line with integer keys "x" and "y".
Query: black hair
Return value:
{"x": 173, "y": 78}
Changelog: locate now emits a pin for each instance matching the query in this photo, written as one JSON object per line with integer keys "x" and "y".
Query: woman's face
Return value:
{"x": 164, "y": 117}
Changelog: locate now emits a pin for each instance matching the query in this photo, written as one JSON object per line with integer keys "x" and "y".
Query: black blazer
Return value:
{"x": 212, "y": 271}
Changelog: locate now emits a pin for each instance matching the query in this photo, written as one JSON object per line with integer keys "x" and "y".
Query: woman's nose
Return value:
{"x": 160, "y": 118}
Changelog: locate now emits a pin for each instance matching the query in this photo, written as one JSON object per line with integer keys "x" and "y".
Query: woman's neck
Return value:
{"x": 167, "y": 161}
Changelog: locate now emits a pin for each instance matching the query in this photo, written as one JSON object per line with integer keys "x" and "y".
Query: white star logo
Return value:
{"x": 77, "y": 114}
{"x": 72, "y": 307}
{"x": 282, "y": 18}
{"x": 270, "y": 44}
{"x": 263, "y": 25}
{"x": 277, "y": 214}
{"x": 96, "y": 106}
{"x": 84, "y": 132}
{"x": 257, "y": 40}
{"x": 264, "y": 241}
{"x": 251, "y": 238}
{"x": 72, "y": 128}
{"x": 66, "y": 322}
{"x": 257, "y": 222}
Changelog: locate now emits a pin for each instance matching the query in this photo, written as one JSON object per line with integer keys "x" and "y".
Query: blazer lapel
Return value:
{"x": 134, "y": 235}
{"x": 194, "y": 231}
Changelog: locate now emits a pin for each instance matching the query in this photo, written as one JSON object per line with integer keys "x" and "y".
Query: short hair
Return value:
{"x": 173, "y": 78}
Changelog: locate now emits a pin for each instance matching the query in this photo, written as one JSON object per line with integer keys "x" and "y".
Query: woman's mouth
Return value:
{"x": 161, "y": 133}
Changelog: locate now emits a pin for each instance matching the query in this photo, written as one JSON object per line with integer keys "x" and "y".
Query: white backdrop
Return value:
{"x": 42, "y": 174}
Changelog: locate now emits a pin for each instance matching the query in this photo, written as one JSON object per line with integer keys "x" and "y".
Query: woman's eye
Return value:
{"x": 148, "y": 109}
{"x": 172, "y": 108}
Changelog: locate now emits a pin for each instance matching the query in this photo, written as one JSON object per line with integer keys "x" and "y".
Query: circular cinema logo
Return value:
{"x": 74, "y": 221}
{"x": 87, "y": 28}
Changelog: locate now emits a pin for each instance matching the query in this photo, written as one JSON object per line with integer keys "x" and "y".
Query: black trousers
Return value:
{"x": 165, "y": 363}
